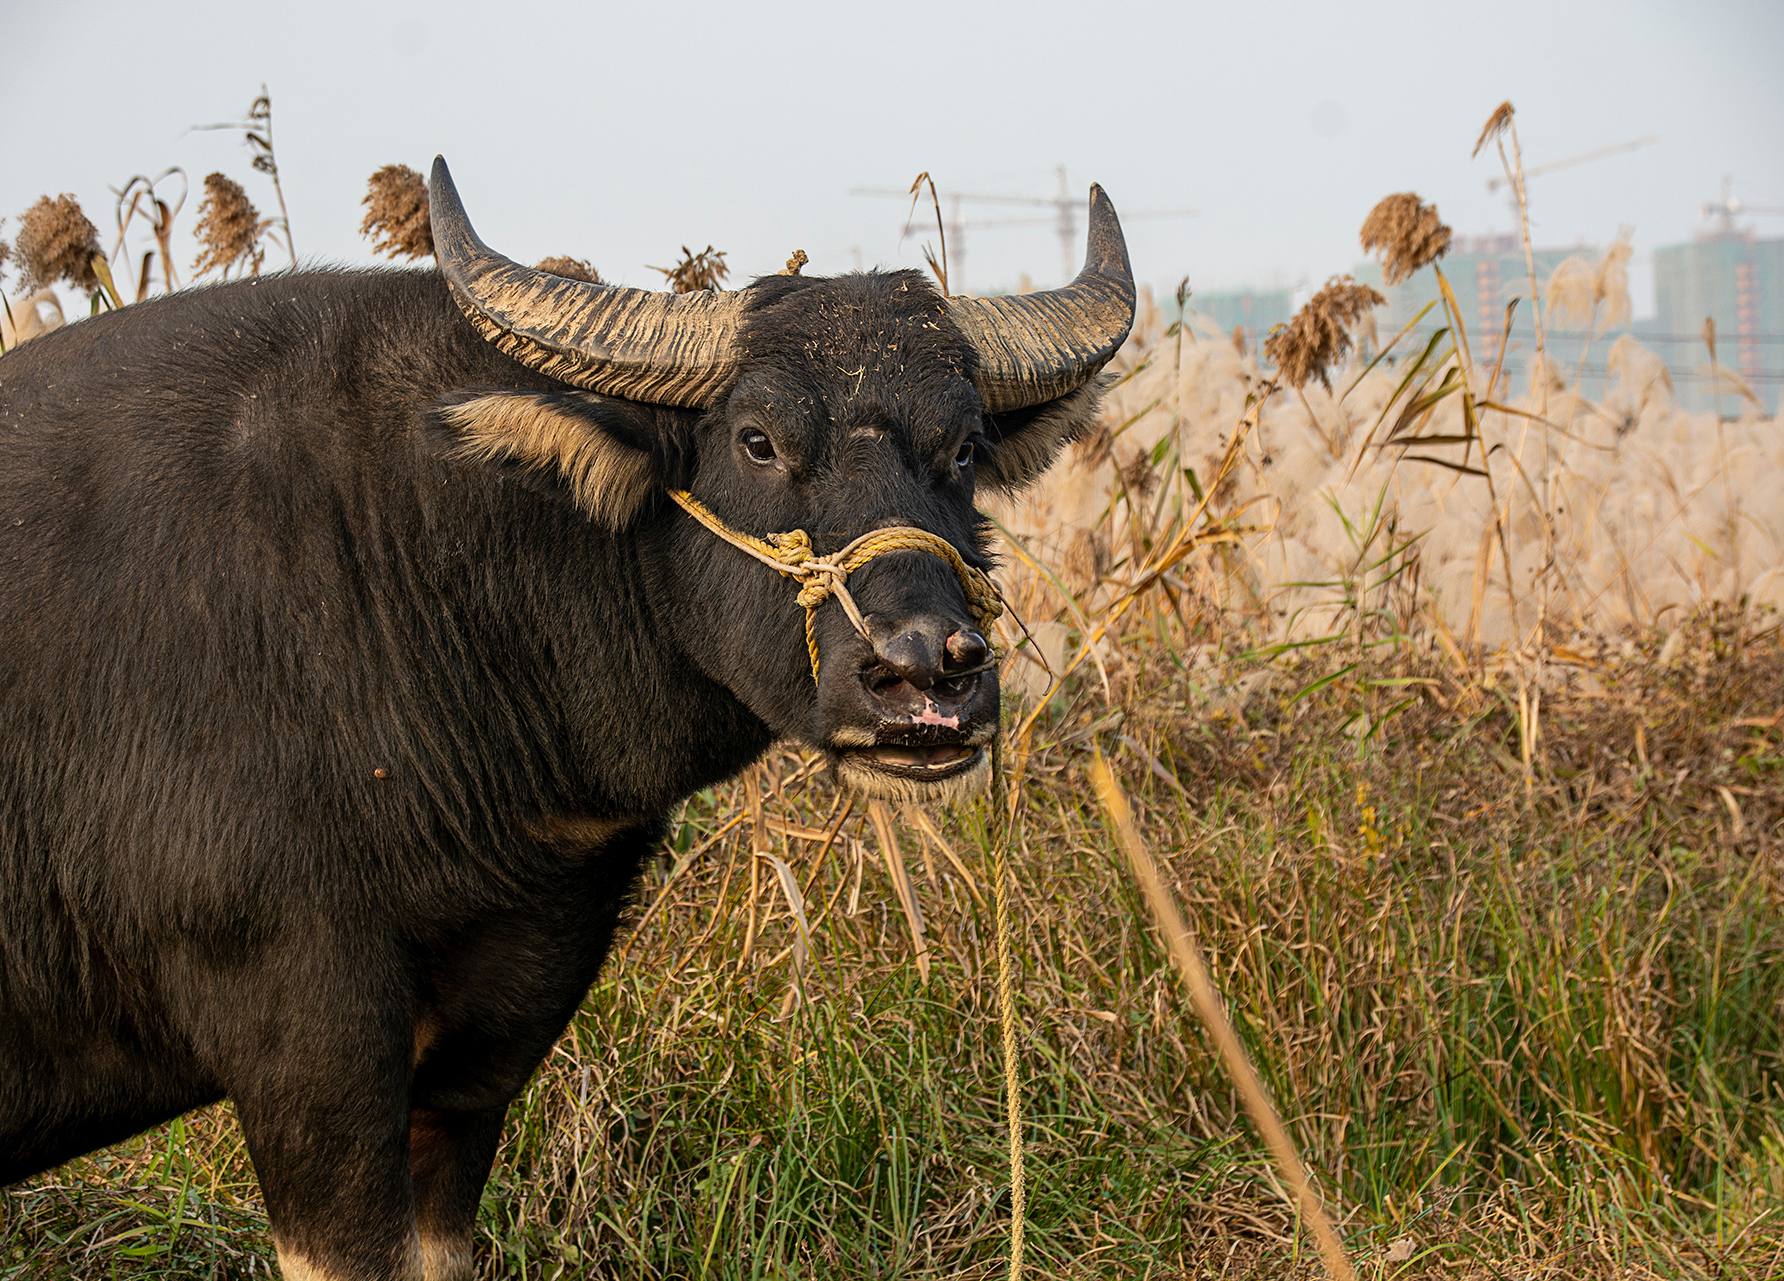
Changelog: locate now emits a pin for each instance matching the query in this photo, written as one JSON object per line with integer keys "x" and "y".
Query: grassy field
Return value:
{"x": 1518, "y": 1031}
{"x": 1455, "y": 714}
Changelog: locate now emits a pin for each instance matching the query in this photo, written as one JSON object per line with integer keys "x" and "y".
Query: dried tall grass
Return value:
{"x": 570, "y": 268}
{"x": 696, "y": 271}
{"x": 1529, "y": 1031}
{"x": 1656, "y": 512}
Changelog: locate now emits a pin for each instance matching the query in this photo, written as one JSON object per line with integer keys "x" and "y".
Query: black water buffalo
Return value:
{"x": 352, "y": 657}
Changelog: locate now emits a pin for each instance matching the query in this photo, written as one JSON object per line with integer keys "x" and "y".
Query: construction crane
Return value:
{"x": 1552, "y": 166}
{"x": 1066, "y": 207}
{"x": 954, "y": 226}
{"x": 1724, "y": 210}
{"x": 1568, "y": 162}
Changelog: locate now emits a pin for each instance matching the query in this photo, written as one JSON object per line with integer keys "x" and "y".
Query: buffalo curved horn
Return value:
{"x": 639, "y": 344}
{"x": 1037, "y": 347}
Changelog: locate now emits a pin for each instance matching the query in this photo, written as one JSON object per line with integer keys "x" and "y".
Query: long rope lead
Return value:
{"x": 821, "y": 578}
{"x": 1006, "y": 1014}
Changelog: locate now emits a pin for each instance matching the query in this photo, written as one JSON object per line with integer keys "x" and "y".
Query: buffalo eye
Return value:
{"x": 964, "y": 457}
{"x": 757, "y": 445}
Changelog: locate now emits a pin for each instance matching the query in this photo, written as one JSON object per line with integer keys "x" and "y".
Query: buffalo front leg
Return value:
{"x": 450, "y": 1154}
{"x": 332, "y": 1152}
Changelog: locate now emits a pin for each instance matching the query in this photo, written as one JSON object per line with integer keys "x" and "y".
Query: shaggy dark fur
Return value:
{"x": 328, "y": 756}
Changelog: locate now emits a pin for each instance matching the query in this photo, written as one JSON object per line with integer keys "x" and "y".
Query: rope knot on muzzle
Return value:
{"x": 821, "y": 578}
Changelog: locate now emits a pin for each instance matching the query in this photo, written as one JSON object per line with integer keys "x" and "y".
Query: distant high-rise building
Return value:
{"x": 1487, "y": 274}
{"x": 1737, "y": 281}
{"x": 1729, "y": 276}
{"x": 1256, "y": 311}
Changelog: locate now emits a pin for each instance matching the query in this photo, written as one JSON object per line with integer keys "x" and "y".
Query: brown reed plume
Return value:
{"x": 57, "y": 241}
{"x": 796, "y": 263}
{"x": 228, "y": 229}
{"x": 570, "y": 268}
{"x": 5, "y": 254}
{"x": 1497, "y": 123}
{"x": 703, "y": 270}
{"x": 396, "y": 214}
{"x": 1407, "y": 233}
{"x": 1321, "y": 334}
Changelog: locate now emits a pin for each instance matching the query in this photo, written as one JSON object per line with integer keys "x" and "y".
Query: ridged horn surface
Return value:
{"x": 1037, "y": 347}
{"x": 658, "y": 348}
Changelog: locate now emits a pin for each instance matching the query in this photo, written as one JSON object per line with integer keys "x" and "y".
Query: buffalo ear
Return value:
{"x": 601, "y": 451}
{"x": 1024, "y": 442}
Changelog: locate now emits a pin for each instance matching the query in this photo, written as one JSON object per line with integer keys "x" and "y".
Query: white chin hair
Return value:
{"x": 875, "y": 785}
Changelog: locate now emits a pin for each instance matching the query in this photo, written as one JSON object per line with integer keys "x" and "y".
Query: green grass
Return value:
{"x": 1522, "y": 1032}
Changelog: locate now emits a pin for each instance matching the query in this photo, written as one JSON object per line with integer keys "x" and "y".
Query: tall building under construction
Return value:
{"x": 1736, "y": 281}
{"x": 1729, "y": 277}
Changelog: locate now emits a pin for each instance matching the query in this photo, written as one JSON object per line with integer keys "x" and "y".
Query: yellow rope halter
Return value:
{"x": 822, "y": 577}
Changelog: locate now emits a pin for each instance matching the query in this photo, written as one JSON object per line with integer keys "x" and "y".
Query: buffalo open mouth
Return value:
{"x": 911, "y": 766}
{"x": 917, "y": 762}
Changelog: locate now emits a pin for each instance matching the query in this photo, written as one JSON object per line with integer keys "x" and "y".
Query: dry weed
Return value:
{"x": 1589, "y": 295}
{"x": 570, "y": 268}
{"x": 1321, "y": 334}
{"x": 228, "y": 228}
{"x": 1407, "y": 233}
{"x": 396, "y": 217}
{"x": 1497, "y": 123}
{"x": 56, "y": 242}
{"x": 695, "y": 271}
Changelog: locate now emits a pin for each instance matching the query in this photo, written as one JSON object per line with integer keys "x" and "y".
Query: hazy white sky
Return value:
{"x": 618, "y": 132}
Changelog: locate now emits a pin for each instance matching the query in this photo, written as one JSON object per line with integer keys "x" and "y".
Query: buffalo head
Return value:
{"x": 833, "y": 406}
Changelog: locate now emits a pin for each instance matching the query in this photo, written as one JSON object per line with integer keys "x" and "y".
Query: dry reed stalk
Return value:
{"x": 1729, "y": 501}
{"x": 1501, "y": 127}
{"x": 881, "y": 818}
{"x": 1166, "y": 554}
{"x": 256, "y": 129}
{"x": 938, "y": 267}
{"x": 260, "y": 113}
{"x": 1206, "y": 999}
{"x": 1051, "y": 579}
{"x": 5, "y": 305}
{"x": 801, "y": 947}
{"x": 140, "y": 197}
{"x": 661, "y": 900}
{"x": 917, "y": 818}
{"x": 396, "y": 213}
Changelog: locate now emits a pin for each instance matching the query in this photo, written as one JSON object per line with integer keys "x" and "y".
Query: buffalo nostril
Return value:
{"x": 915, "y": 654}
{"x": 966, "y": 649}
{"x": 883, "y": 682}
